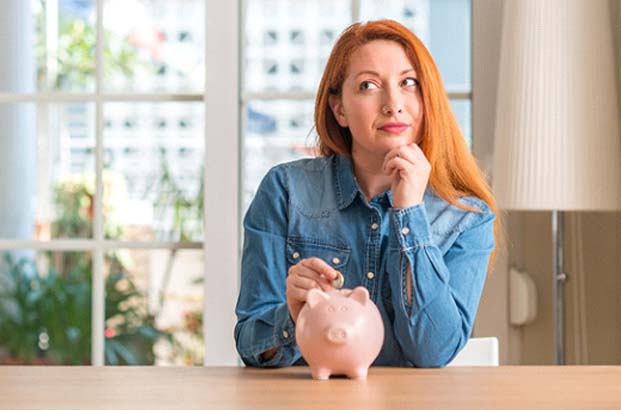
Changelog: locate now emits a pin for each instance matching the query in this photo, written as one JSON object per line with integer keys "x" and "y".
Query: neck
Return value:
{"x": 370, "y": 175}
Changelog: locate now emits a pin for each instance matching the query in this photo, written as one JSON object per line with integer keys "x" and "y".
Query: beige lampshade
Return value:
{"x": 557, "y": 126}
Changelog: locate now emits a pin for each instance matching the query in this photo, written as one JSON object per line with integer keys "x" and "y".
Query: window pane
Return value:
{"x": 461, "y": 108}
{"x": 45, "y": 307}
{"x": 154, "y": 303}
{"x": 47, "y": 45}
{"x": 286, "y": 43}
{"x": 444, "y": 27}
{"x": 276, "y": 131}
{"x": 47, "y": 157}
{"x": 155, "y": 45}
{"x": 153, "y": 179}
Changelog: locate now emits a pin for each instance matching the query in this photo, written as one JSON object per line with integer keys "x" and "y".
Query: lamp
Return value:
{"x": 557, "y": 130}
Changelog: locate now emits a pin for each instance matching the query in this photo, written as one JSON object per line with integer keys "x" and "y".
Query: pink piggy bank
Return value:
{"x": 339, "y": 332}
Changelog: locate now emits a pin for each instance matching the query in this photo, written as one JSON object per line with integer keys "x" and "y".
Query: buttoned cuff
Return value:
{"x": 410, "y": 227}
{"x": 283, "y": 325}
{"x": 283, "y": 340}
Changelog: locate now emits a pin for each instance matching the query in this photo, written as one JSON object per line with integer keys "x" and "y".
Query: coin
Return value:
{"x": 339, "y": 281}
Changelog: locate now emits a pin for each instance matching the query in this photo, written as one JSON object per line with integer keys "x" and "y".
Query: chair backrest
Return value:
{"x": 479, "y": 351}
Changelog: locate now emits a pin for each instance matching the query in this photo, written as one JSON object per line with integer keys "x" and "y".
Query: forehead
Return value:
{"x": 381, "y": 56}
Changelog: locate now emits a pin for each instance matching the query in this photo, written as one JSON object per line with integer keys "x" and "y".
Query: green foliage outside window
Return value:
{"x": 45, "y": 301}
{"x": 75, "y": 58}
{"x": 45, "y": 308}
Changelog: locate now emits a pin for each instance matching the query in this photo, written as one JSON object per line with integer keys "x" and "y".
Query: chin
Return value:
{"x": 382, "y": 143}
{"x": 395, "y": 141}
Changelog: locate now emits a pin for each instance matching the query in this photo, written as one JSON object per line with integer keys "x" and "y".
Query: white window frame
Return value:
{"x": 222, "y": 165}
{"x": 221, "y": 176}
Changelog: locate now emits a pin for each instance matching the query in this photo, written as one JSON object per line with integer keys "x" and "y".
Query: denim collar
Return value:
{"x": 346, "y": 184}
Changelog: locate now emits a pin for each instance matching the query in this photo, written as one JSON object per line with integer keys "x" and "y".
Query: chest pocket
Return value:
{"x": 336, "y": 256}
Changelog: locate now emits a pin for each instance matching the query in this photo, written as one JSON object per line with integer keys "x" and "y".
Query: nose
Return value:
{"x": 337, "y": 335}
{"x": 392, "y": 102}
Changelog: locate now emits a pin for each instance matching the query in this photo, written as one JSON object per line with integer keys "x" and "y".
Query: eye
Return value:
{"x": 410, "y": 82}
{"x": 343, "y": 308}
{"x": 367, "y": 85}
{"x": 331, "y": 309}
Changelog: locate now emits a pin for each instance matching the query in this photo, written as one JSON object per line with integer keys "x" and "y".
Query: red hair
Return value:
{"x": 454, "y": 170}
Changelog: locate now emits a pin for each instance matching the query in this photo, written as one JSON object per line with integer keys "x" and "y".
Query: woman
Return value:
{"x": 395, "y": 202}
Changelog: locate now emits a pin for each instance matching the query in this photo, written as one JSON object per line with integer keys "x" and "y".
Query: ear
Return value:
{"x": 336, "y": 105}
{"x": 360, "y": 295}
{"x": 314, "y": 297}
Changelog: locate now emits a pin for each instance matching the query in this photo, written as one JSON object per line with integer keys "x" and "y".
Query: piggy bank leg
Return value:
{"x": 321, "y": 373}
{"x": 359, "y": 374}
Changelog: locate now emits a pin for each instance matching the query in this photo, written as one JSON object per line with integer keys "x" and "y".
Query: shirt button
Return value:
{"x": 374, "y": 226}
{"x": 370, "y": 275}
{"x": 285, "y": 334}
{"x": 336, "y": 260}
{"x": 295, "y": 255}
{"x": 405, "y": 230}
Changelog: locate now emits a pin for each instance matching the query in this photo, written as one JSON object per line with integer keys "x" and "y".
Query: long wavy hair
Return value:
{"x": 454, "y": 170}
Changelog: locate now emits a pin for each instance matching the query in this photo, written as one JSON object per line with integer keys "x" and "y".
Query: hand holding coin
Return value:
{"x": 311, "y": 273}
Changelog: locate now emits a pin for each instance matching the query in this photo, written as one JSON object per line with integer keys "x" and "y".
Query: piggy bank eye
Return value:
{"x": 331, "y": 309}
{"x": 343, "y": 308}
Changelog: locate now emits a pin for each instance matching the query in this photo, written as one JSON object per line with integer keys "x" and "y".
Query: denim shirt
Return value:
{"x": 315, "y": 208}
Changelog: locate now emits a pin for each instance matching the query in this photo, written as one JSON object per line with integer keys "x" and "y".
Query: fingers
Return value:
{"x": 419, "y": 155}
{"x": 409, "y": 170}
{"x": 396, "y": 164}
{"x": 403, "y": 158}
{"x": 321, "y": 267}
{"x": 296, "y": 297}
{"x": 311, "y": 273}
{"x": 405, "y": 151}
{"x": 412, "y": 152}
{"x": 307, "y": 278}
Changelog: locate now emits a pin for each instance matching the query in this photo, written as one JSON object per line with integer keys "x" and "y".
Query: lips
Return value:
{"x": 394, "y": 127}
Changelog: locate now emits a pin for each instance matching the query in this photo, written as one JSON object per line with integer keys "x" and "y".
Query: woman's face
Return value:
{"x": 380, "y": 100}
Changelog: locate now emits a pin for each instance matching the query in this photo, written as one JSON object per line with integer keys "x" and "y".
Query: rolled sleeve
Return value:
{"x": 282, "y": 339}
{"x": 446, "y": 288}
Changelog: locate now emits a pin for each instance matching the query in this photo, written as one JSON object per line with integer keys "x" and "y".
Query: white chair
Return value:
{"x": 479, "y": 351}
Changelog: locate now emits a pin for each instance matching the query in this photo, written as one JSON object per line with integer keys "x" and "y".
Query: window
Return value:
{"x": 103, "y": 155}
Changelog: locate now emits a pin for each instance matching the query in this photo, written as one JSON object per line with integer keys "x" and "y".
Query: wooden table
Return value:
{"x": 506, "y": 387}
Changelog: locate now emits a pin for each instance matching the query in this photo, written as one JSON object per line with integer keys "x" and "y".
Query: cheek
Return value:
{"x": 417, "y": 108}
{"x": 361, "y": 114}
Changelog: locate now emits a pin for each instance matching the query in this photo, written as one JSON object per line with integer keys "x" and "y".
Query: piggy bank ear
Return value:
{"x": 315, "y": 296}
{"x": 360, "y": 294}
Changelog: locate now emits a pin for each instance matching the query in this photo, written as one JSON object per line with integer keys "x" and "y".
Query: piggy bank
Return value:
{"x": 339, "y": 332}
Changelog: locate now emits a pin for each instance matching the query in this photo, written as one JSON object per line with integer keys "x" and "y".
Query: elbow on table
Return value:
{"x": 436, "y": 357}
{"x": 248, "y": 357}
{"x": 241, "y": 347}
{"x": 430, "y": 361}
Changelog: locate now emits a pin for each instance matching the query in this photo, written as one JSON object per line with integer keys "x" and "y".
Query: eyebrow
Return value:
{"x": 375, "y": 73}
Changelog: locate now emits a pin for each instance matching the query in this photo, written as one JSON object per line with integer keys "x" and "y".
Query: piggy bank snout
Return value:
{"x": 337, "y": 334}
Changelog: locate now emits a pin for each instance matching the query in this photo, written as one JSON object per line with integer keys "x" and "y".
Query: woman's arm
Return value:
{"x": 436, "y": 297}
{"x": 263, "y": 321}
